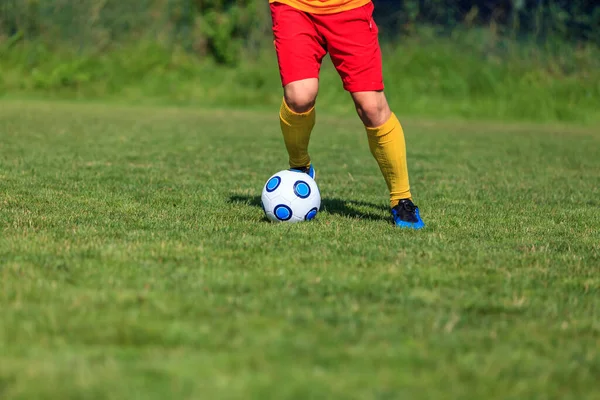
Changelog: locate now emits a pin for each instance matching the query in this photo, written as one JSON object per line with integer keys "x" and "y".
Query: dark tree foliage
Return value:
{"x": 569, "y": 19}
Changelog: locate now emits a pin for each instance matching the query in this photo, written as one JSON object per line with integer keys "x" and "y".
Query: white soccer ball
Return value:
{"x": 291, "y": 196}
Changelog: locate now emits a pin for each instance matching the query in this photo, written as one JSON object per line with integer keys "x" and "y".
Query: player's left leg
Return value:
{"x": 387, "y": 144}
{"x": 352, "y": 39}
{"x": 386, "y": 141}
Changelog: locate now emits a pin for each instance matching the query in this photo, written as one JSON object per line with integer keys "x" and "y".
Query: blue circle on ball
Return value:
{"x": 283, "y": 212}
{"x": 273, "y": 183}
{"x": 311, "y": 214}
{"x": 301, "y": 189}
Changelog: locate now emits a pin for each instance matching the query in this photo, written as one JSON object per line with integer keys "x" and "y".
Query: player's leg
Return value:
{"x": 353, "y": 44}
{"x": 297, "y": 119}
{"x": 386, "y": 141}
{"x": 387, "y": 144}
{"x": 300, "y": 50}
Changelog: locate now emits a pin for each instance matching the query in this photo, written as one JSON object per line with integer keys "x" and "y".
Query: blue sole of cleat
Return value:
{"x": 411, "y": 225}
{"x": 408, "y": 225}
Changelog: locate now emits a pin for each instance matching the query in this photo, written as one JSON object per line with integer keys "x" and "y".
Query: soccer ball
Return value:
{"x": 291, "y": 196}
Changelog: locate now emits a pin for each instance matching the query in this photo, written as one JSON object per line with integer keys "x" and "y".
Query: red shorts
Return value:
{"x": 350, "y": 37}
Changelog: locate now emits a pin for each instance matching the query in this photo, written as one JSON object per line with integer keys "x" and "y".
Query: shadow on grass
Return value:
{"x": 345, "y": 208}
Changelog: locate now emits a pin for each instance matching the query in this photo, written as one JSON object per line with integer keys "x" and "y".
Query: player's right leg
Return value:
{"x": 300, "y": 50}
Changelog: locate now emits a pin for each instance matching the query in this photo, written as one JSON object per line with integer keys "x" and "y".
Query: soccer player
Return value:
{"x": 304, "y": 31}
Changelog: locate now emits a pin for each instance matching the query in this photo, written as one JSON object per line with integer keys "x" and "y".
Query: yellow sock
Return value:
{"x": 387, "y": 146}
{"x": 296, "y": 129}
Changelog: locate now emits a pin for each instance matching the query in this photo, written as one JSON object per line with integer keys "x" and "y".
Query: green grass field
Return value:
{"x": 136, "y": 263}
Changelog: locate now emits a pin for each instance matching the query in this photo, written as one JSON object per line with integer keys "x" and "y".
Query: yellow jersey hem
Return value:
{"x": 321, "y": 9}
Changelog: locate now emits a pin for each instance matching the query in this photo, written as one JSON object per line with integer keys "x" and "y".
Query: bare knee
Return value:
{"x": 372, "y": 108}
{"x": 300, "y": 96}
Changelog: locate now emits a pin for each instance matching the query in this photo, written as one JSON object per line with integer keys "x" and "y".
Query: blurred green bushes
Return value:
{"x": 442, "y": 58}
{"x": 216, "y": 28}
{"x": 221, "y": 28}
{"x": 460, "y": 76}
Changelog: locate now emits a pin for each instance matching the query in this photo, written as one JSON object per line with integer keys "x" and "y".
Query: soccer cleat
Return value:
{"x": 310, "y": 171}
{"x": 406, "y": 215}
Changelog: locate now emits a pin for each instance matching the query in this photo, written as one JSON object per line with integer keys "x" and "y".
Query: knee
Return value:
{"x": 301, "y": 96}
{"x": 373, "y": 110}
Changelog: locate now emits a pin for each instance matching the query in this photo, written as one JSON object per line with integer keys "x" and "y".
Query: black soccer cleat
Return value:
{"x": 310, "y": 171}
{"x": 406, "y": 215}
